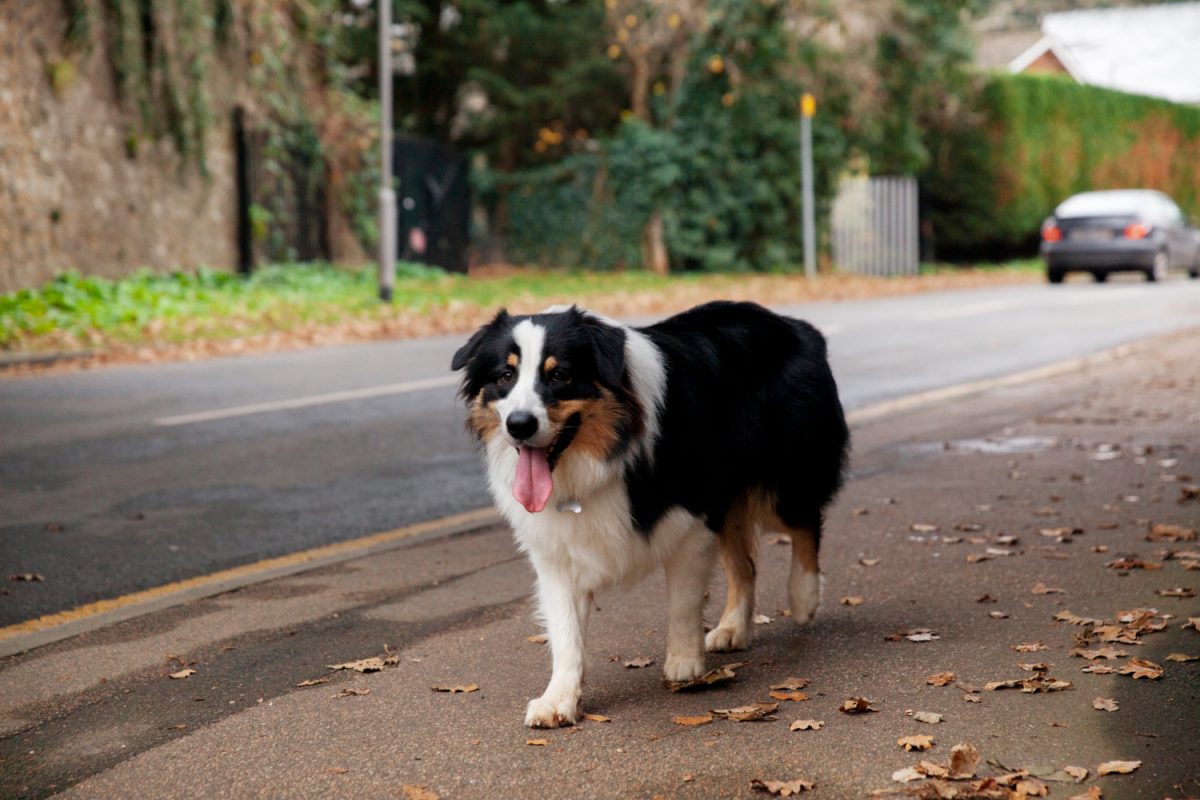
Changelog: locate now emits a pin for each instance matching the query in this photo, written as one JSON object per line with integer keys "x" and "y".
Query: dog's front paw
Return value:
{"x": 721, "y": 639}
{"x": 553, "y": 710}
{"x": 680, "y": 669}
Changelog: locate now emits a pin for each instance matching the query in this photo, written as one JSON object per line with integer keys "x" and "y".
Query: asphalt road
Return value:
{"x": 1101, "y": 451}
{"x": 131, "y": 477}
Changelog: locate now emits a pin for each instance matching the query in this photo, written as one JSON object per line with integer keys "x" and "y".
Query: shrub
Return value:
{"x": 1032, "y": 141}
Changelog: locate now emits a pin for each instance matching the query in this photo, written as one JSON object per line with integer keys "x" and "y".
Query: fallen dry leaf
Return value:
{"x": 1141, "y": 668}
{"x": 1094, "y": 793}
{"x": 761, "y": 619}
{"x": 540, "y": 638}
{"x": 754, "y": 712}
{"x": 1193, "y": 623}
{"x": 27, "y": 577}
{"x": 1038, "y": 683}
{"x": 1074, "y": 619}
{"x": 638, "y": 663}
{"x": 313, "y": 682}
{"x": 928, "y": 717}
{"x": 852, "y": 601}
{"x": 537, "y": 742}
{"x": 1040, "y": 666}
{"x": 1117, "y": 767}
{"x": 183, "y": 673}
{"x": 725, "y": 672}
{"x": 1132, "y": 563}
{"x": 921, "y": 527}
{"x": 907, "y": 775}
{"x": 782, "y": 694}
{"x": 1099, "y": 652}
{"x": 1188, "y": 492}
{"x": 336, "y": 770}
{"x": 459, "y": 689}
{"x": 940, "y": 679}
{"x": 596, "y": 717}
{"x": 964, "y": 759}
{"x": 856, "y": 705}
{"x": 916, "y": 742}
{"x": 791, "y": 684}
{"x": 413, "y": 792}
{"x": 1099, "y": 669}
{"x": 372, "y": 664}
{"x": 1105, "y": 704}
{"x": 807, "y": 725}
{"x": 868, "y": 562}
{"x": 1029, "y": 647}
{"x": 782, "y": 788}
{"x": 1184, "y": 592}
{"x": 692, "y": 722}
{"x": 353, "y": 691}
{"x": 986, "y": 598}
{"x": 998, "y": 614}
{"x": 1041, "y": 588}
{"x": 971, "y": 698}
{"x": 1078, "y": 774}
{"x": 1182, "y": 657}
{"x": 1170, "y": 533}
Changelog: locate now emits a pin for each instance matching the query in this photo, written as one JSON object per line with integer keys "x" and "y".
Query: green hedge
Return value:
{"x": 1032, "y": 141}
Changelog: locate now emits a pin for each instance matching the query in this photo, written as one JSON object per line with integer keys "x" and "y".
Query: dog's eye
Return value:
{"x": 559, "y": 375}
{"x": 506, "y": 377}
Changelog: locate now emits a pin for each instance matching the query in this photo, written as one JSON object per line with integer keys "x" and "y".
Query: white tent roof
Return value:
{"x": 1150, "y": 50}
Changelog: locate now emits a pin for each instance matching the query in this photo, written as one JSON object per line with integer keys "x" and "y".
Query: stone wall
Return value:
{"x": 73, "y": 195}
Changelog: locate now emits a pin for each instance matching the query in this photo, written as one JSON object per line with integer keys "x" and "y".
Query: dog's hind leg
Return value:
{"x": 804, "y": 582}
{"x": 738, "y": 544}
{"x": 688, "y": 570}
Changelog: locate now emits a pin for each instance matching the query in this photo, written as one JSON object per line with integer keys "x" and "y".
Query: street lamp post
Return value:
{"x": 387, "y": 194}
{"x": 808, "y": 109}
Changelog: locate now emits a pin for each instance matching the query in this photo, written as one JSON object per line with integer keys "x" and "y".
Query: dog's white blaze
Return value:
{"x": 531, "y": 339}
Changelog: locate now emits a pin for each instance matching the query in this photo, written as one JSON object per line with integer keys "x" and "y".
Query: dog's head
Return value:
{"x": 550, "y": 384}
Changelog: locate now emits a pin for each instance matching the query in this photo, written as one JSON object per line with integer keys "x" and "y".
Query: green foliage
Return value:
{"x": 1036, "y": 140}
{"x": 184, "y": 305}
{"x": 159, "y": 54}
{"x": 922, "y": 61}
{"x": 540, "y": 62}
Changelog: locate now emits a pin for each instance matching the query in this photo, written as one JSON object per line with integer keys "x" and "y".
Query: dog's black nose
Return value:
{"x": 522, "y": 425}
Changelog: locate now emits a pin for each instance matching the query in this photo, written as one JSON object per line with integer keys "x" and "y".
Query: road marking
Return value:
{"x": 969, "y": 310}
{"x": 63, "y": 624}
{"x": 310, "y": 400}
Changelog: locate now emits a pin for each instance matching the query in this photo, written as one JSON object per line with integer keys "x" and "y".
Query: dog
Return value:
{"x": 611, "y": 449}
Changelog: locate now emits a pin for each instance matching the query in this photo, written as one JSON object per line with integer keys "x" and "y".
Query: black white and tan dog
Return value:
{"x": 612, "y": 449}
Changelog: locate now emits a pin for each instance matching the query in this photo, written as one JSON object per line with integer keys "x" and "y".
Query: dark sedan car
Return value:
{"x": 1126, "y": 230}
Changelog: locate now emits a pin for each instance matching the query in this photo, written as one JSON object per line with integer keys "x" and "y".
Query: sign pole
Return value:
{"x": 387, "y": 195}
{"x": 808, "y": 109}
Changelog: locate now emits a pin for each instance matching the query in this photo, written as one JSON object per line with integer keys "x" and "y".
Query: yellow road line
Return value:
{"x": 205, "y": 585}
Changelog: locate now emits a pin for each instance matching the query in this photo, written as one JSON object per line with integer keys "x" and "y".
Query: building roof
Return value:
{"x": 1149, "y": 50}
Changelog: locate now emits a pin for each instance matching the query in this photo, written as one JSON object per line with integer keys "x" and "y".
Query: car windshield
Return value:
{"x": 1106, "y": 204}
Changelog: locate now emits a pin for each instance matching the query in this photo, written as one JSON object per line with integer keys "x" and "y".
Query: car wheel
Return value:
{"x": 1100, "y": 276}
{"x": 1158, "y": 270}
{"x": 1054, "y": 276}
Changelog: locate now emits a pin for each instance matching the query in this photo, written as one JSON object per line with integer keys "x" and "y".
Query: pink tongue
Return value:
{"x": 533, "y": 484}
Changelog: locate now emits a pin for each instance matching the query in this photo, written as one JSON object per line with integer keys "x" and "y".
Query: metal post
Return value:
{"x": 808, "y": 107}
{"x": 387, "y": 195}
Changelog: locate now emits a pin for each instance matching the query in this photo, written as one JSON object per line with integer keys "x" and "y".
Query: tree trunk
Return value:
{"x": 654, "y": 247}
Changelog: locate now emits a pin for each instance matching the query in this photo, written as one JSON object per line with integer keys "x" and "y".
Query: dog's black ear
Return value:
{"x": 608, "y": 344}
{"x": 465, "y": 353}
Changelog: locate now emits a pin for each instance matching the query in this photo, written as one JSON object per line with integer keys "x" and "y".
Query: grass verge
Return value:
{"x": 190, "y": 314}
